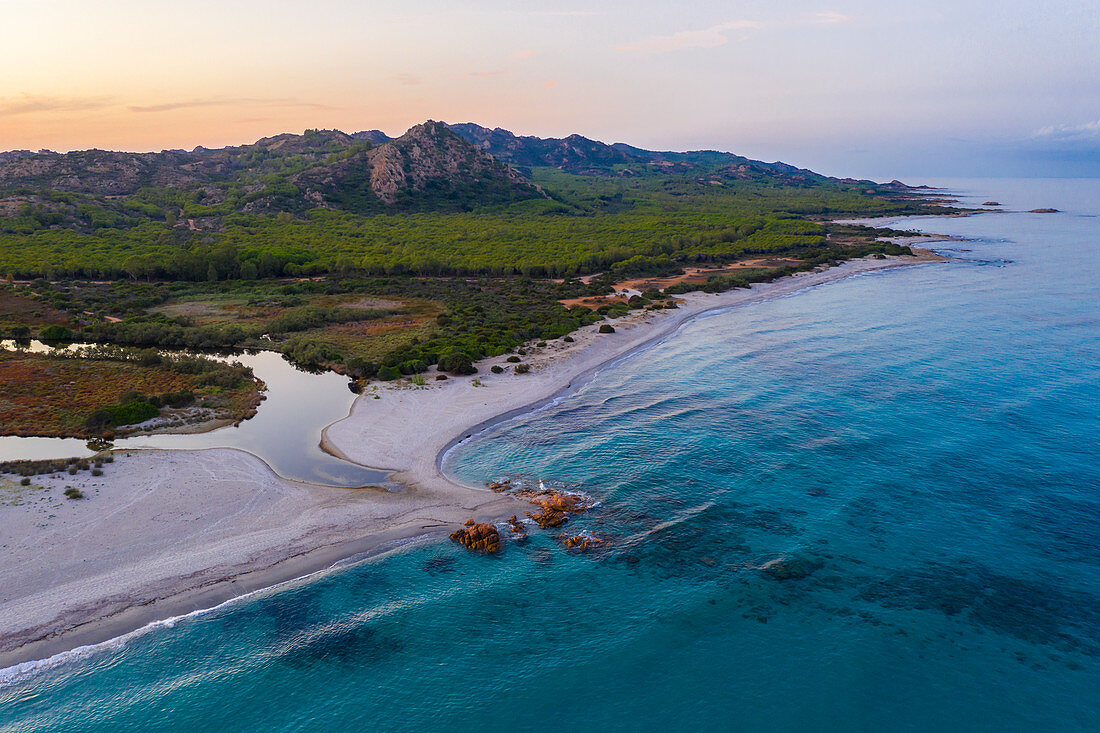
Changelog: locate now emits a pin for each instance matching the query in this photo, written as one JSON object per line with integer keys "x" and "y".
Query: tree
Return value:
{"x": 269, "y": 267}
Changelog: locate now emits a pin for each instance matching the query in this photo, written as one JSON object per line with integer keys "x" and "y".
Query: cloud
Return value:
{"x": 28, "y": 104}
{"x": 226, "y": 102}
{"x": 706, "y": 38}
{"x": 566, "y": 13}
{"x": 830, "y": 16}
{"x": 549, "y": 84}
{"x": 522, "y": 54}
{"x": 1087, "y": 132}
{"x": 408, "y": 80}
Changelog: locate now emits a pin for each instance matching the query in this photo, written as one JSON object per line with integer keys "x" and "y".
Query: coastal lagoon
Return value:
{"x": 919, "y": 449}
{"x": 285, "y": 433}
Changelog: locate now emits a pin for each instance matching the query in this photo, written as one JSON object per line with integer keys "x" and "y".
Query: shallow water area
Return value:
{"x": 285, "y": 432}
{"x": 872, "y": 505}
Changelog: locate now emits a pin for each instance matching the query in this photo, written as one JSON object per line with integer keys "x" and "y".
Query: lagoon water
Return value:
{"x": 925, "y": 440}
{"x": 286, "y": 432}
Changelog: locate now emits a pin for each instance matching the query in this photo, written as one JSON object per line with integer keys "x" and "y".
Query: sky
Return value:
{"x": 871, "y": 89}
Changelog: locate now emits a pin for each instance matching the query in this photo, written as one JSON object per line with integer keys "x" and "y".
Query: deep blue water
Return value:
{"x": 926, "y": 440}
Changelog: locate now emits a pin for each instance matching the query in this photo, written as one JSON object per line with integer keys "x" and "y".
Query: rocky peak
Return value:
{"x": 428, "y": 166}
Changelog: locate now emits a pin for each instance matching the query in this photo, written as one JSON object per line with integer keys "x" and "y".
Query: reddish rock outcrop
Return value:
{"x": 549, "y": 518}
{"x": 478, "y": 537}
{"x": 555, "y": 507}
{"x": 581, "y": 543}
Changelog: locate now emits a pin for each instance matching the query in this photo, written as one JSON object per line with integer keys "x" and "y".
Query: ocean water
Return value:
{"x": 921, "y": 446}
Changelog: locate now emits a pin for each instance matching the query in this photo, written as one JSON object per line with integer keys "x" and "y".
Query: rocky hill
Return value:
{"x": 579, "y": 154}
{"x": 429, "y": 167}
{"x": 574, "y": 153}
{"x": 432, "y": 167}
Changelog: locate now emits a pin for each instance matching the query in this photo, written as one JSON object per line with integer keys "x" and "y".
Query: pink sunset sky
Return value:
{"x": 841, "y": 86}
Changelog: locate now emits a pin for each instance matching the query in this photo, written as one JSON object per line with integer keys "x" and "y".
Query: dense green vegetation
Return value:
{"x": 277, "y": 239}
{"x": 484, "y": 317}
{"x": 589, "y": 224}
{"x": 481, "y": 316}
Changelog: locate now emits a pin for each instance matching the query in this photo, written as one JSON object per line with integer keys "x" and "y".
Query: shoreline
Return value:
{"x": 549, "y": 380}
{"x": 408, "y": 430}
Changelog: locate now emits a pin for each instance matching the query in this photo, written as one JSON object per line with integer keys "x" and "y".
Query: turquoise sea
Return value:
{"x": 921, "y": 446}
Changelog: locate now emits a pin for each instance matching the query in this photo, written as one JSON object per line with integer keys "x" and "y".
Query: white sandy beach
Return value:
{"x": 166, "y": 532}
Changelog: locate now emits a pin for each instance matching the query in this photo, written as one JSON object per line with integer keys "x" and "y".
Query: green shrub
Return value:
{"x": 131, "y": 412}
{"x": 496, "y": 369}
{"x": 24, "y": 481}
{"x": 523, "y": 368}
{"x": 178, "y": 399}
{"x": 456, "y": 363}
{"x": 125, "y": 414}
{"x": 73, "y": 493}
{"x": 513, "y": 359}
{"x": 568, "y": 339}
{"x": 388, "y": 373}
{"x": 361, "y": 368}
{"x": 607, "y": 328}
{"x": 309, "y": 354}
{"x": 413, "y": 366}
{"x": 55, "y": 333}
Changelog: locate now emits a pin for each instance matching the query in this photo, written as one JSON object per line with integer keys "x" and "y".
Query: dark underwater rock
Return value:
{"x": 791, "y": 568}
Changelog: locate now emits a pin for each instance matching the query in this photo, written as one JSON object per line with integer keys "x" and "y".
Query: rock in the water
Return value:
{"x": 554, "y": 501}
{"x": 1043, "y": 211}
{"x": 555, "y": 507}
{"x": 478, "y": 537}
{"x": 791, "y": 568}
{"x": 991, "y": 203}
{"x": 548, "y": 518}
{"x": 581, "y": 543}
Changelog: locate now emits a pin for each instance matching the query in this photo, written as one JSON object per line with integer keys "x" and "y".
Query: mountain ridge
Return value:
{"x": 434, "y": 166}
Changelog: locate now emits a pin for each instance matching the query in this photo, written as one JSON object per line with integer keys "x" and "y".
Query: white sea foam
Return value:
{"x": 24, "y": 670}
